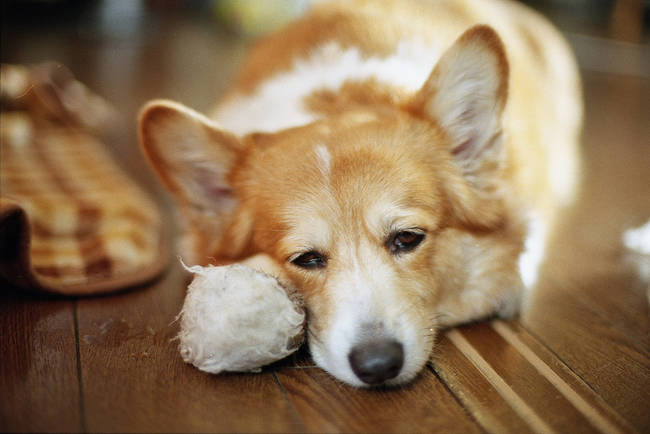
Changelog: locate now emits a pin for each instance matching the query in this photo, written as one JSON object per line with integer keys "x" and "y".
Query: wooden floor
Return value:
{"x": 577, "y": 360}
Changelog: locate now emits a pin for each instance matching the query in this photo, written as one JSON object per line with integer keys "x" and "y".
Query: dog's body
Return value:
{"x": 384, "y": 165}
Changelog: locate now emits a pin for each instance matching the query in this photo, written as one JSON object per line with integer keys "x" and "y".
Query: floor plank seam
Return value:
{"x": 466, "y": 410}
{"x": 300, "y": 424}
{"x": 82, "y": 405}
{"x": 593, "y": 413}
{"x": 518, "y": 404}
{"x": 566, "y": 365}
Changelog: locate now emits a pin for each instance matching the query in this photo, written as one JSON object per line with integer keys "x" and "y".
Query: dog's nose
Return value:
{"x": 377, "y": 361}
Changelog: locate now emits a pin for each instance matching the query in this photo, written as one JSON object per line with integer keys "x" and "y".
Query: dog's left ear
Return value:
{"x": 465, "y": 96}
{"x": 194, "y": 157}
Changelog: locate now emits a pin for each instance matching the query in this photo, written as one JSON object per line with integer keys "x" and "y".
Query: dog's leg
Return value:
{"x": 502, "y": 299}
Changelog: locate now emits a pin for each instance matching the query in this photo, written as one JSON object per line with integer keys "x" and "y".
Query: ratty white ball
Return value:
{"x": 238, "y": 319}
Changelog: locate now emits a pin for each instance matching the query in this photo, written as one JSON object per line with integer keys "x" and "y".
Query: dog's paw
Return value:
{"x": 235, "y": 318}
{"x": 502, "y": 300}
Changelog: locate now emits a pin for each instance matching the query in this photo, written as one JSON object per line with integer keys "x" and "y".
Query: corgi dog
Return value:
{"x": 400, "y": 163}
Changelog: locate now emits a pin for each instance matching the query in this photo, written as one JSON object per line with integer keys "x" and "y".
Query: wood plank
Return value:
{"x": 38, "y": 373}
{"x": 553, "y": 411}
{"x": 474, "y": 391}
{"x": 618, "y": 298}
{"x": 610, "y": 299}
{"x": 561, "y": 407}
{"x": 327, "y": 405}
{"x": 584, "y": 398}
{"x": 135, "y": 380}
{"x": 596, "y": 351}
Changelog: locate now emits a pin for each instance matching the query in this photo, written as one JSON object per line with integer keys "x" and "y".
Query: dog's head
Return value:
{"x": 366, "y": 211}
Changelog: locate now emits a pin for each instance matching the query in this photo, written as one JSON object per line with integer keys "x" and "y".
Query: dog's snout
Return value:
{"x": 377, "y": 361}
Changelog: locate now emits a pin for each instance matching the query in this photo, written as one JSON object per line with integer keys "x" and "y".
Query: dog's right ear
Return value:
{"x": 191, "y": 154}
{"x": 465, "y": 96}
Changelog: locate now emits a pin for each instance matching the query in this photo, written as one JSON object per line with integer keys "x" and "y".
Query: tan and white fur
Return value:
{"x": 400, "y": 163}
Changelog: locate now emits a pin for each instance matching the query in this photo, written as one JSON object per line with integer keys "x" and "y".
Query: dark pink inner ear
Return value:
{"x": 211, "y": 184}
{"x": 464, "y": 149}
{"x": 218, "y": 192}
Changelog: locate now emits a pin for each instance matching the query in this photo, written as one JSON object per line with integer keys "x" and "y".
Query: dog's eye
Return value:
{"x": 310, "y": 260}
{"x": 404, "y": 241}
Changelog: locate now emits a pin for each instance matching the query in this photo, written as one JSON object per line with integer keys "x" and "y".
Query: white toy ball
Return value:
{"x": 237, "y": 319}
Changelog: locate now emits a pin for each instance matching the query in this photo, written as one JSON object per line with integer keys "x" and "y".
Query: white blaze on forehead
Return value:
{"x": 324, "y": 159}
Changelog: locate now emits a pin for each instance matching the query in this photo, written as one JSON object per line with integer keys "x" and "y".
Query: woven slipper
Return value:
{"x": 71, "y": 222}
